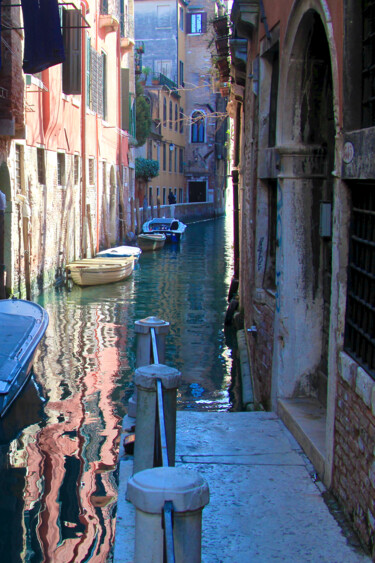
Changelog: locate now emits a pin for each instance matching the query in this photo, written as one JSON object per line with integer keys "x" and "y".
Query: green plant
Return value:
{"x": 146, "y": 168}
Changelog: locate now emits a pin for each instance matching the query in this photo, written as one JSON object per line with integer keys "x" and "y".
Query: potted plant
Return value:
{"x": 155, "y": 78}
{"x": 145, "y": 72}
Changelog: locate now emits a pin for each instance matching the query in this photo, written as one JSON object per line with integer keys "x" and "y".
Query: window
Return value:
{"x": 181, "y": 18}
{"x": 164, "y": 112}
{"x": 180, "y": 196}
{"x": 196, "y": 23}
{"x": 150, "y": 195}
{"x": 181, "y": 120}
{"x": 170, "y": 157}
{"x": 91, "y": 171}
{"x": 360, "y": 312}
{"x": 60, "y": 169}
{"x": 41, "y": 166}
{"x": 164, "y": 156}
{"x": 163, "y": 67}
{"x": 164, "y": 195}
{"x": 175, "y": 117}
{"x": 104, "y": 6}
{"x": 149, "y": 149}
{"x": 163, "y": 17}
{"x": 175, "y": 159}
{"x": 170, "y": 114}
{"x": 71, "y": 67}
{"x": 76, "y": 169}
{"x": 197, "y": 127}
{"x": 181, "y": 164}
{"x": 181, "y": 73}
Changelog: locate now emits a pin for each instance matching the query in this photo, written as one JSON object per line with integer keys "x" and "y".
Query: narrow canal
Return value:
{"x": 60, "y": 440}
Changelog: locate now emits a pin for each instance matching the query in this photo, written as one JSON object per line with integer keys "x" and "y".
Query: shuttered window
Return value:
{"x": 71, "y": 68}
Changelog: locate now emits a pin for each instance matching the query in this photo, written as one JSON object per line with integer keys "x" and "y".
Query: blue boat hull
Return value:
{"x": 22, "y": 326}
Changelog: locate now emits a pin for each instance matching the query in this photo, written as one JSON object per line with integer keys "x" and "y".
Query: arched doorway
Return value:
{"x": 306, "y": 144}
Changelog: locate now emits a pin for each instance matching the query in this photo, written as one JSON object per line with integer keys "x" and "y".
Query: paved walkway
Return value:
{"x": 264, "y": 503}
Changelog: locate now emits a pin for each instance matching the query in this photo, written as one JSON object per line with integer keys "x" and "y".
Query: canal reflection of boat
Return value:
{"x": 151, "y": 241}
{"x": 99, "y": 271}
{"x": 24, "y": 412}
{"x": 120, "y": 252}
{"x": 172, "y": 228}
{"x": 23, "y": 325}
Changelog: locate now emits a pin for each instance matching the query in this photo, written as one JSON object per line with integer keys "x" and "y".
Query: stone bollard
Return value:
{"x": 145, "y": 434}
{"x": 144, "y": 356}
{"x": 148, "y": 491}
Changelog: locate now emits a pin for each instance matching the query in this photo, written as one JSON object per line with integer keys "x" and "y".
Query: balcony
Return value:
{"x": 108, "y": 23}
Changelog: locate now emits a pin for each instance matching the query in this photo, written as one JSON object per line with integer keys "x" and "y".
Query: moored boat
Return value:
{"x": 151, "y": 241}
{"x": 22, "y": 326}
{"x": 120, "y": 252}
{"x": 99, "y": 271}
{"x": 172, "y": 228}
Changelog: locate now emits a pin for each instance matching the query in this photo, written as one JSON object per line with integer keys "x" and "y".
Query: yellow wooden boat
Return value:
{"x": 99, "y": 271}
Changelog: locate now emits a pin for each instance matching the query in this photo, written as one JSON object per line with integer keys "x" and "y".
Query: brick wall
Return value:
{"x": 354, "y": 461}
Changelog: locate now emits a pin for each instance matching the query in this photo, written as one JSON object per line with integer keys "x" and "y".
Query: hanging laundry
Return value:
{"x": 43, "y": 39}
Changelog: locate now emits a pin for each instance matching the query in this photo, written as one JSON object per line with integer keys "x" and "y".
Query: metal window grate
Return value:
{"x": 360, "y": 314}
{"x": 368, "y": 63}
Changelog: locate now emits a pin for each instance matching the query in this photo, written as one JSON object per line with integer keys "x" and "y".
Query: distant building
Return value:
{"x": 191, "y": 152}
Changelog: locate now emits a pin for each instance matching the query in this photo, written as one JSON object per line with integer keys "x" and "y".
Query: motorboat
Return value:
{"x": 22, "y": 327}
{"x": 151, "y": 241}
{"x": 99, "y": 271}
{"x": 172, "y": 228}
{"x": 120, "y": 252}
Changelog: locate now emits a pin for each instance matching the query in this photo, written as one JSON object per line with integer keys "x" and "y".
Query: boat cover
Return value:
{"x": 14, "y": 330}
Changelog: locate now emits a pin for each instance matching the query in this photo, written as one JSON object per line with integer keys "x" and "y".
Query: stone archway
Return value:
{"x": 306, "y": 144}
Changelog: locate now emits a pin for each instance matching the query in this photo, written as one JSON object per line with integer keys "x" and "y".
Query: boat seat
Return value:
{"x": 14, "y": 330}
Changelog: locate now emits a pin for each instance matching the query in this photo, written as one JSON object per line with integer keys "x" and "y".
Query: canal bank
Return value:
{"x": 265, "y": 502}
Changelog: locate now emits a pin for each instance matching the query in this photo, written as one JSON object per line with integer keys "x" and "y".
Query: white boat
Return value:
{"x": 22, "y": 326}
{"x": 99, "y": 271}
{"x": 172, "y": 228}
{"x": 151, "y": 241}
{"x": 120, "y": 252}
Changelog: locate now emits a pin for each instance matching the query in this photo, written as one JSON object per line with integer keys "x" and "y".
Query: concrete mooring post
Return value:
{"x": 148, "y": 491}
{"x": 144, "y": 355}
{"x": 146, "y": 431}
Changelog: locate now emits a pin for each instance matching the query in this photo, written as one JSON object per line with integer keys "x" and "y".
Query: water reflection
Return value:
{"x": 58, "y": 491}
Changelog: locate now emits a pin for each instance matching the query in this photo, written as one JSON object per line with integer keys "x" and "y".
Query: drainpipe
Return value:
{"x": 85, "y": 8}
{"x": 119, "y": 175}
{"x": 3, "y": 204}
{"x": 97, "y": 16}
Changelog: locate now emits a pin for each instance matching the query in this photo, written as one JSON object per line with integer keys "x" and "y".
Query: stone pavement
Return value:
{"x": 265, "y": 504}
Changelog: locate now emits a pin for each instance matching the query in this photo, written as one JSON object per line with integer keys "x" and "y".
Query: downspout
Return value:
{"x": 119, "y": 174}
{"x": 84, "y": 6}
{"x": 263, "y": 19}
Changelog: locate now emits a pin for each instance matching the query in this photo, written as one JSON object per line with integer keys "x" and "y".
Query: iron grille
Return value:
{"x": 368, "y": 63}
{"x": 360, "y": 314}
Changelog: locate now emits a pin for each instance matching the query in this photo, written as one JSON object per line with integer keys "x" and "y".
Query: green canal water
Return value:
{"x": 59, "y": 442}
